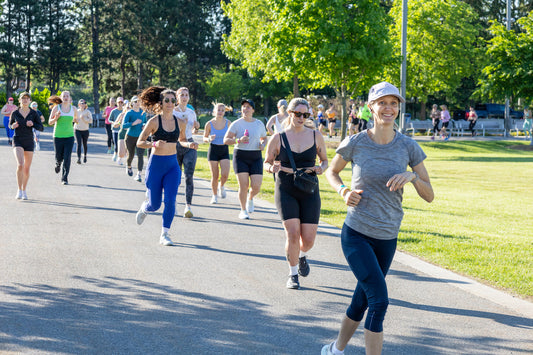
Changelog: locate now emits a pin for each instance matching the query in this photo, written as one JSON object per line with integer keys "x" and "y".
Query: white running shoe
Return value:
{"x": 244, "y": 215}
{"x": 213, "y": 199}
{"x": 24, "y": 196}
{"x": 138, "y": 177}
{"x": 222, "y": 191}
{"x": 19, "y": 195}
{"x": 114, "y": 156}
{"x": 120, "y": 162}
{"x": 328, "y": 350}
{"x": 187, "y": 213}
{"x": 250, "y": 206}
{"x": 165, "y": 240}
{"x": 141, "y": 215}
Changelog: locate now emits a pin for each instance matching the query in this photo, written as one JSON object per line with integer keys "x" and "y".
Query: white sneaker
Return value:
{"x": 120, "y": 162}
{"x": 24, "y": 196}
{"x": 141, "y": 215}
{"x": 244, "y": 215}
{"x": 213, "y": 199}
{"x": 187, "y": 213}
{"x": 327, "y": 350}
{"x": 165, "y": 240}
{"x": 114, "y": 156}
{"x": 222, "y": 191}
{"x": 138, "y": 177}
{"x": 19, "y": 195}
{"x": 37, "y": 146}
{"x": 250, "y": 206}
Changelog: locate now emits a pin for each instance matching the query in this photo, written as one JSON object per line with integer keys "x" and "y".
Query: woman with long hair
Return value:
{"x": 61, "y": 117}
{"x": 122, "y": 133}
{"x": 163, "y": 172}
{"x": 134, "y": 121}
{"x": 36, "y": 133}
{"x": 299, "y": 210}
{"x": 218, "y": 152}
{"x": 81, "y": 128}
{"x": 22, "y": 121}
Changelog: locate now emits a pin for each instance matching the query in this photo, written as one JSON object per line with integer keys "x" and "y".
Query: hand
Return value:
{"x": 57, "y": 115}
{"x": 276, "y": 167}
{"x": 159, "y": 144}
{"x": 29, "y": 123}
{"x": 317, "y": 169}
{"x": 244, "y": 139}
{"x": 15, "y": 125}
{"x": 399, "y": 180}
{"x": 212, "y": 137}
{"x": 136, "y": 122}
{"x": 352, "y": 197}
{"x": 193, "y": 145}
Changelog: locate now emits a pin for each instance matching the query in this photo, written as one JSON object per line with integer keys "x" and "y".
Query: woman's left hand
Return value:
{"x": 29, "y": 123}
{"x": 317, "y": 169}
{"x": 399, "y": 180}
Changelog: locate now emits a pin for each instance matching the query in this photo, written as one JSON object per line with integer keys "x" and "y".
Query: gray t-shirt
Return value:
{"x": 256, "y": 130}
{"x": 379, "y": 213}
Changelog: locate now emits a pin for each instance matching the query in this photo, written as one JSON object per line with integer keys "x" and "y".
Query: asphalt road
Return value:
{"x": 78, "y": 276}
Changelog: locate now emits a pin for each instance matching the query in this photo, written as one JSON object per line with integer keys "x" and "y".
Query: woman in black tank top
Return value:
{"x": 299, "y": 211}
{"x": 163, "y": 172}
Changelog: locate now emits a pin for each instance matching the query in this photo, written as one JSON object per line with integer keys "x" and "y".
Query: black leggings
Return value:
{"x": 131, "y": 145}
{"x": 63, "y": 148}
{"x": 471, "y": 126}
{"x": 81, "y": 138}
{"x": 109, "y": 135}
{"x": 436, "y": 127}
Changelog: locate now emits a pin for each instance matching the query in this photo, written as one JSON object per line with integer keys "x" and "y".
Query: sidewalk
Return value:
{"x": 80, "y": 277}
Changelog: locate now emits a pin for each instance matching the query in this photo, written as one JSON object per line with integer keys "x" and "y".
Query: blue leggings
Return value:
{"x": 9, "y": 131}
{"x": 162, "y": 173}
{"x": 370, "y": 260}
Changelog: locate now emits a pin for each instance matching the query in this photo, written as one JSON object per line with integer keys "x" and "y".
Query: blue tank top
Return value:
{"x": 162, "y": 135}
{"x": 305, "y": 159}
{"x": 220, "y": 133}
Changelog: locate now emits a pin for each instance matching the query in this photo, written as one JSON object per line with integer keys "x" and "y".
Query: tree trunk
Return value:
{"x": 123, "y": 75}
{"x": 95, "y": 17}
{"x": 139, "y": 76}
{"x": 295, "y": 88}
{"x": 423, "y": 114}
{"x": 341, "y": 94}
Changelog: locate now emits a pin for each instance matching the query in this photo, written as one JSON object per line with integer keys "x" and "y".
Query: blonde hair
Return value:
{"x": 217, "y": 104}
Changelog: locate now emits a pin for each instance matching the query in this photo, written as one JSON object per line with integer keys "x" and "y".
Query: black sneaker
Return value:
{"x": 57, "y": 168}
{"x": 303, "y": 267}
{"x": 130, "y": 171}
{"x": 78, "y": 162}
{"x": 293, "y": 282}
{"x": 64, "y": 182}
{"x": 85, "y": 159}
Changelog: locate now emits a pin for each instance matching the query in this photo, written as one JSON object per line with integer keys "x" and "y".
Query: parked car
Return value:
{"x": 496, "y": 111}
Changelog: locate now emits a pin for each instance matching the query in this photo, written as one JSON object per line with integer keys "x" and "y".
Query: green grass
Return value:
{"x": 480, "y": 223}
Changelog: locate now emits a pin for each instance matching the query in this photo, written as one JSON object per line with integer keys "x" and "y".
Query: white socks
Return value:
{"x": 293, "y": 270}
{"x": 302, "y": 254}
{"x": 164, "y": 230}
{"x": 336, "y": 351}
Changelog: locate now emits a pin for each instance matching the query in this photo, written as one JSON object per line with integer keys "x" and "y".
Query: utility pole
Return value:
{"x": 507, "y": 117}
{"x": 403, "y": 72}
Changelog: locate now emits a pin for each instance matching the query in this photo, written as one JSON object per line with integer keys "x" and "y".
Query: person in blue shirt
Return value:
{"x": 134, "y": 121}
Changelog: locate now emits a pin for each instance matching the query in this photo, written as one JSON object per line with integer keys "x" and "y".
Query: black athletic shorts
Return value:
{"x": 247, "y": 161}
{"x": 217, "y": 152}
{"x": 293, "y": 203}
{"x": 26, "y": 143}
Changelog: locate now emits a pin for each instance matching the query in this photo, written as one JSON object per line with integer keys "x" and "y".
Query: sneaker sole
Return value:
{"x": 188, "y": 214}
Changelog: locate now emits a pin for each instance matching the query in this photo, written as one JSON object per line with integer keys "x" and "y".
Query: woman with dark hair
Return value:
{"x": 299, "y": 210}
{"x": 163, "y": 172}
{"x": 81, "y": 127}
{"x": 61, "y": 117}
{"x": 23, "y": 121}
{"x": 379, "y": 158}
{"x": 134, "y": 121}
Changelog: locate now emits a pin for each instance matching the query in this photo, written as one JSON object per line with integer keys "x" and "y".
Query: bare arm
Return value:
{"x": 420, "y": 181}
{"x": 269, "y": 125}
{"x": 207, "y": 131}
{"x": 351, "y": 197}
{"x": 272, "y": 151}
{"x": 183, "y": 138}
{"x": 54, "y": 116}
{"x": 321, "y": 152}
{"x": 148, "y": 129}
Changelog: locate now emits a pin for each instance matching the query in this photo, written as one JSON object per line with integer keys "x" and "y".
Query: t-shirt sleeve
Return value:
{"x": 233, "y": 128}
{"x": 416, "y": 154}
{"x": 262, "y": 129}
{"x": 346, "y": 148}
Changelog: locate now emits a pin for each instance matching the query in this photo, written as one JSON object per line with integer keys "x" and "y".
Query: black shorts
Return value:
{"x": 25, "y": 143}
{"x": 217, "y": 152}
{"x": 445, "y": 124}
{"x": 247, "y": 161}
{"x": 293, "y": 203}
{"x": 323, "y": 122}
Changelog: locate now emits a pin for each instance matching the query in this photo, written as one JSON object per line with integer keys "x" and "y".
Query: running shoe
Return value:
{"x": 19, "y": 195}
{"x": 222, "y": 191}
{"x": 187, "y": 213}
{"x": 250, "y": 206}
{"x": 303, "y": 267}
{"x": 85, "y": 159}
{"x": 57, "y": 168}
{"x": 24, "y": 196}
{"x": 64, "y": 182}
{"x": 165, "y": 240}
{"x": 328, "y": 350}
{"x": 213, "y": 199}
{"x": 244, "y": 215}
{"x": 114, "y": 156}
{"x": 432, "y": 138}
{"x": 293, "y": 282}
{"x": 78, "y": 162}
{"x": 129, "y": 171}
{"x": 141, "y": 215}
{"x": 138, "y": 177}
{"x": 109, "y": 150}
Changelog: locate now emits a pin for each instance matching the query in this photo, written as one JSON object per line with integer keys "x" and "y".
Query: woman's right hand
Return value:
{"x": 352, "y": 197}
{"x": 15, "y": 125}
{"x": 244, "y": 139}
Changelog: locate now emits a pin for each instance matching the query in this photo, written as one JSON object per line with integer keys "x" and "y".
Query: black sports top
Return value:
{"x": 23, "y": 131}
{"x": 305, "y": 159}
{"x": 162, "y": 135}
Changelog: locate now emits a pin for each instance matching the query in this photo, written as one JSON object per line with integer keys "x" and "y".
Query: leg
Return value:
{"x": 130, "y": 146}
{"x": 292, "y": 244}
{"x": 189, "y": 164}
{"x": 19, "y": 157}
{"x": 140, "y": 157}
{"x": 224, "y": 171}
{"x": 85, "y": 139}
{"x": 59, "y": 147}
{"x": 255, "y": 181}
{"x": 243, "y": 180}
{"x": 115, "y": 141}
{"x": 121, "y": 148}
{"x": 213, "y": 166}
{"x": 109, "y": 135}
{"x": 308, "y": 236}
{"x": 78, "y": 143}
{"x": 69, "y": 144}
{"x": 28, "y": 158}
{"x": 171, "y": 182}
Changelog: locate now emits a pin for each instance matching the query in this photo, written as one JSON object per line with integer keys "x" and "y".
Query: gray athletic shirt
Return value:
{"x": 256, "y": 130}
{"x": 379, "y": 213}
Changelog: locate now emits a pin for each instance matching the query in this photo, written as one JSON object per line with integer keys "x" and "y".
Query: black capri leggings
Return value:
{"x": 293, "y": 203}
{"x": 81, "y": 139}
{"x": 436, "y": 127}
{"x": 131, "y": 145}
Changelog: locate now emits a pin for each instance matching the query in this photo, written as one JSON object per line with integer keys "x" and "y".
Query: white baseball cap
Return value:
{"x": 384, "y": 89}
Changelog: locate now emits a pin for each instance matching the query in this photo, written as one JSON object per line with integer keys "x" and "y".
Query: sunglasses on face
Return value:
{"x": 167, "y": 100}
{"x": 300, "y": 114}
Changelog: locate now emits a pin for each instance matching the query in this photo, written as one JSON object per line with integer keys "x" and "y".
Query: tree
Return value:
{"x": 224, "y": 86}
{"x": 441, "y": 46}
{"x": 510, "y": 66}
{"x": 322, "y": 43}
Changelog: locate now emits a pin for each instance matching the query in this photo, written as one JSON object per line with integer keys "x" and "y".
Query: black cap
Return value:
{"x": 249, "y": 102}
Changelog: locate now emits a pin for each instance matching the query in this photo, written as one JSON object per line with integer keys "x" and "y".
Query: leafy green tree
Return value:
{"x": 441, "y": 46}
{"x": 226, "y": 87}
{"x": 510, "y": 65}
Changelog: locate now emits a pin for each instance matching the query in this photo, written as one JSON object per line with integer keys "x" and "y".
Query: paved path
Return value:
{"x": 77, "y": 276}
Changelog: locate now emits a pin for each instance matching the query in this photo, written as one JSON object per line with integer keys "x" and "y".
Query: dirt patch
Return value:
{"x": 521, "y": 147}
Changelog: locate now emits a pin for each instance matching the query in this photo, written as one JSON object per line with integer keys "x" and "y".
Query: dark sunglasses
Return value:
{"x": 167, "y": 100}
{"x": 300, "y": 114}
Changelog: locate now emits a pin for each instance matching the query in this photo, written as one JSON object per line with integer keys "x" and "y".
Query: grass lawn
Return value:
{"x": 480, "y": 223}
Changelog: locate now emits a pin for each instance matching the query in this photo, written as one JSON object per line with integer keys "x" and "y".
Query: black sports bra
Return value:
{"x": 162, "y": 135}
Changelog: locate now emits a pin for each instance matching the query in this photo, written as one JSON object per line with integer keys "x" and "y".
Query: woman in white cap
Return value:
{"x": 277, "y": 120}
{"x": 36, "y": 133}
{"x": 379, "y": 158}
